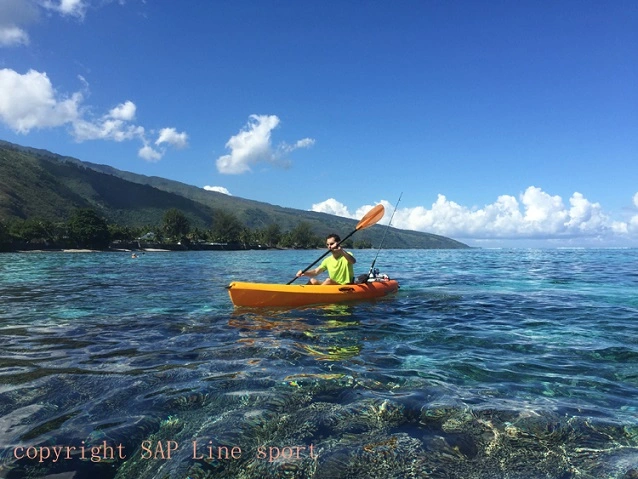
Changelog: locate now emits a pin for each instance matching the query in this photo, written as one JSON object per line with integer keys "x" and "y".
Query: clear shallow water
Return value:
{"x": 486, "y": 364}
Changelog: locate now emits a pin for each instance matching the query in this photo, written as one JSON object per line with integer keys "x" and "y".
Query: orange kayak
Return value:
{"x": 292, "y": 295}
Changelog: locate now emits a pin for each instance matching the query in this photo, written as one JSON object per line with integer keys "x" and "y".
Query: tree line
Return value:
{"x": 85, "y": 228}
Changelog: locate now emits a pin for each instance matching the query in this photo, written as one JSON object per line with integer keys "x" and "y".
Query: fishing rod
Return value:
{"x": 383, "y": 238}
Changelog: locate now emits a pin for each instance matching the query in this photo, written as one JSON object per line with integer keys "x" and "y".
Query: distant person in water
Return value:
{"x": 339, "y": 265}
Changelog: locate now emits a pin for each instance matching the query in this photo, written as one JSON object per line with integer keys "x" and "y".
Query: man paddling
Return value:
{"x": 339, "y": 265}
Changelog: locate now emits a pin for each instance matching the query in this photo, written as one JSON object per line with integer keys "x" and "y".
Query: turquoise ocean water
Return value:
{"x": 513, "y": 364}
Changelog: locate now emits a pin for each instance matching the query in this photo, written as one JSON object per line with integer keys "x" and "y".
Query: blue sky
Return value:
{"x": 502, "y": 123}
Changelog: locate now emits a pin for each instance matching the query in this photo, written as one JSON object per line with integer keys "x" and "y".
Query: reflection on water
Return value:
{"x": 321, "y": 332}
{"x": 484, "y": 365}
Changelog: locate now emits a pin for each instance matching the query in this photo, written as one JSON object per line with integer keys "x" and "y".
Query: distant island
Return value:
{"x": 49, "y": 201}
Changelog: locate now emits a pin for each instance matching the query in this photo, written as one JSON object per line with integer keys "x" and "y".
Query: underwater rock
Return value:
{"x": 290, "y": 431}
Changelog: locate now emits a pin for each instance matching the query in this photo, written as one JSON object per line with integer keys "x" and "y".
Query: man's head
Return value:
{"x": 332, "y": 240}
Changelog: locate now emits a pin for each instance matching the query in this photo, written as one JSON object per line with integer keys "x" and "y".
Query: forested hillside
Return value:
{"x": 37, "y": 185}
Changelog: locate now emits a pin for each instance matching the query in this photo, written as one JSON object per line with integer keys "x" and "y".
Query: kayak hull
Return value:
{"x": 292, "y": 295}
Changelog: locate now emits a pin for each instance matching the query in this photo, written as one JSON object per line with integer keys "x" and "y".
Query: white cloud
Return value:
{"x": 115, "y": 125}
{"x": 218, "y": 189}
{"x": 305, "y": 143}
{"x": 170, "y": 136}
{"x": 633, "y": 222}
{"x": 585, "y": 216}
{"x": 15, "y": 16}
{"x": 542, "y": 210}
{"x": 11, "y": 35}
{"x": 535, "y": 215}
{"x": 106, "y": 128}
{"x": 252, "y": 145}
{"x": 149, "y": 154}
{"x": 125, "y": 111}
{"x": 29, "y": 101}
{"x": 74, "y": 8}
{"x": 166, "y": 136}
{"x": 332, "y": 207}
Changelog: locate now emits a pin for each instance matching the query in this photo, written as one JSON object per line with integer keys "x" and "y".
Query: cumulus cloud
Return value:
{"x": 252, "y": 145}
{"x": 172, "y": 137}
{"x": 30, "y": 102}
{"x": 167, "y": 136}
{"x": 115, "y": 125}
{"x": 332, "y": 207}
{"x": 15, "y": 17}
{"x": 218, "y": 189}
{"x": 125, "y": 111}
{"x": 149, "y": 154}
{"x": 535, "y": 214}
{"x": 73, "y": 8}
{"x": 632, "y": 227}
{"x": 11, "y": 35}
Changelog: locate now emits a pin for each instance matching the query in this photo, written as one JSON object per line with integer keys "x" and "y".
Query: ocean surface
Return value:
{"x": 512, "y": 363}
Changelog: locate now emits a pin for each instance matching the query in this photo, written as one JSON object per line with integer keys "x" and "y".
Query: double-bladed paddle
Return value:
{"x": 370, "y": 218}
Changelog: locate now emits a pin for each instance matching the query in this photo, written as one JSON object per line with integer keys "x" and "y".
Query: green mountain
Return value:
{"x": 38, "y": 183}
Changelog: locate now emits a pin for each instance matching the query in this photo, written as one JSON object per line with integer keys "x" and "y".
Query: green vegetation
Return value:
{"x": 41, "y": 192}
{"x": 226, "y": 228}
{"x": 86, "y": 229}
{"x": 176, "y": 224}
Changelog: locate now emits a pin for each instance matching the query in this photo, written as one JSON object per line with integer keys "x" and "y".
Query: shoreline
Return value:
{"x": 128, "y": 247}
{"x": 85, "y": 250}
{"x": 132, "y": 250}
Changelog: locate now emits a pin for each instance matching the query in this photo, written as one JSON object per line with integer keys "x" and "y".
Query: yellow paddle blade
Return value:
{"x": 371, "y": 217}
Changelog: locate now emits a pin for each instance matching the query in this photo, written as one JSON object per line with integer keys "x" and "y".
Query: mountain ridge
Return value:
{"x": 38, "y": 183}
